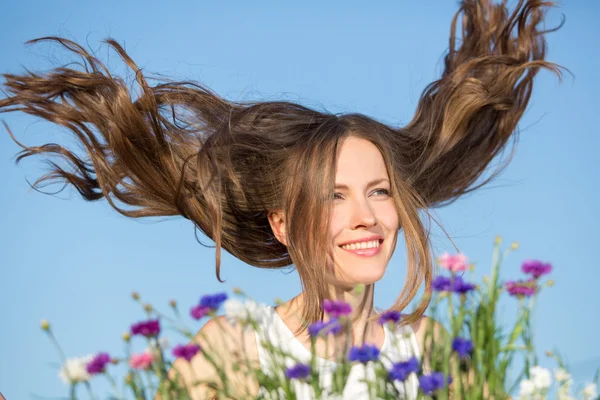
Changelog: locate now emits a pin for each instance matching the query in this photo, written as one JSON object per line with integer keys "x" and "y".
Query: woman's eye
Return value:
{"x": 337, "y": 196}
{"x": 384, "y": 192}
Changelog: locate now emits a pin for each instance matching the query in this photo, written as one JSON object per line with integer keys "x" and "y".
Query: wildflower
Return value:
{"x": 401, "y": 370}
{"x": 45, "y": 325}
{"x": 390, "y": 316}
{"x": 75, "y": 370}
{"x": 213, "y": 301}
{"x": 463, "y": 347}
{"x": 461, "y": 287}
{"x": 126, "y": 336}
{"x": 98, "y": 364}
{"x": 148, "y": 328}
{"x": 141, "y": 361}
{"x": 589, "y": 391}
{"x": 298, "y": 371}
{"x": 244, "y": 312}
{"x": 135, "y": 295}
{"x": 364, "y": 353}
{"x": 156, "y": 347}
{"x": 442, "y": 284}
{"x": 540, "y": 377}
{"x": 324, "y": 328}
{"x": 336, "y": 309}
{"x": 536, "y": 268}
{"x": 521, "y": 288}
{"x": 199, "y": 312}
{"x": 526, "y": 389}
{"x": 433, "y": 382}
{"x": 453, "y": 263}
{"x": 188, "y": 352}
{"x": 561, "y": 375}
{"x": 173, "y": 303}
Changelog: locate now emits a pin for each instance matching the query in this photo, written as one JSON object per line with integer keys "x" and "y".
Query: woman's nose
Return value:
{"x": 362, "y": 215}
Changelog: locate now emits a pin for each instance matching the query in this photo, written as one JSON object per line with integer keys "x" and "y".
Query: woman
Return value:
{"x": 276, "y": 183}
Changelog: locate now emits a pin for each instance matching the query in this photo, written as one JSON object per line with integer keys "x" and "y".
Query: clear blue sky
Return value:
{"x": 75, "y": 263}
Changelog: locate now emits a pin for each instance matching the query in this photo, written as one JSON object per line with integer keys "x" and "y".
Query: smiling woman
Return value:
{"x": 277, "y": 183}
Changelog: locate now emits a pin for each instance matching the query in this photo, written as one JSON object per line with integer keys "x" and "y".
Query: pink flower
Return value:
{"x": 453, "y": 263}
{"x": 188, "y": 352}
{"x": 198, "y": 312}
{"x": 521, "y": 289}
{"x": 141, "y": 361}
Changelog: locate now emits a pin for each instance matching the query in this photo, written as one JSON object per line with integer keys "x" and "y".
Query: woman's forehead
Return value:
{"x": 359, "y": 160}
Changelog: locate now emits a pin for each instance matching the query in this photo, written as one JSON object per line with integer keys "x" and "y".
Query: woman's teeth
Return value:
{"x": 361, "y": 245}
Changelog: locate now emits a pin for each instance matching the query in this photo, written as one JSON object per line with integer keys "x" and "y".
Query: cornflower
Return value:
{"x": 188, "y": 351}
{"x": 98, "y": 364}
{"x": 298, "y": 371}
{"x": 401, "y": 370}
{"x": 336, "y": 308}
{"x": 324, "y": 328}
{"x": 390, "y": 316}
{"x": 463, "y": 347}
{"x": 364, "y": 353}
{"x": 148, "y": 328}
{"x": 213, "y": 301}
{"x": 536, "y": 268}
{"x": 453, "y": 263}
{"x": 433, "y": 382}
{"x": 521, "y": 289}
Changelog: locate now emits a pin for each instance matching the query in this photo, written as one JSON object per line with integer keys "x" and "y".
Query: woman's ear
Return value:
{"x": 278, "y": 225}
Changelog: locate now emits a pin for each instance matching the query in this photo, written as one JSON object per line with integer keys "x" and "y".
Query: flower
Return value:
{"x": 401, "y": 370}
{"x": 155, "y": 347}
{"x": 213, "y": 301}
{"x": 526, "y": 389}
{"x": 188, "y": 352}
{"x": 45, "y": 325}
{"x": 148, "y": 328}
{"x": 461, "y": 287}
{"x": 536, "y": 268}
{"x": 540, "y": 377}
{"x": 433, "y": 382}
{"x": 463, "y": 347}
{"x": 452, "y": 284}
{"x": 244, "y": 312}
{"x": 298, "y": 371}
{"x": 390, "y": 316}
{"x": 589, "y": 391}
{"x": 141, "y": 361}
{"x": 364, "y": 353}
{"x": 453, "y": 263}
{"x": 521, "y": 288}
{"x": 74, "y": 370}
{"x": 324, "y": 328}
{"x": 442, "y": 284}
{"x": 198, "y": 312}
{"x": 336, "y": 309}
{"x": 561, "y": 375}
{"x": 98, "y": 363}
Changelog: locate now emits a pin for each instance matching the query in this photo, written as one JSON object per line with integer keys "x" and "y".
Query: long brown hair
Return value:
{"x": 176, "y": 148}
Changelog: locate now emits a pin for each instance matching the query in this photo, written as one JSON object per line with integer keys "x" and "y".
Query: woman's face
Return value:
{"x": 364, "y": 220}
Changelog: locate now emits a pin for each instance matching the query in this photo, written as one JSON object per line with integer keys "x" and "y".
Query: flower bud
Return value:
{"x": 135, "y": 295}
{"x": 550, "y": 283}
{"x": 114, "y": 361}
{"x": 173, "y": 303}
{"x": 514, "y": 245}
{"x": 549, "y": 353}
{"x": 237, "y": 290}
{"x": 129, "y": 378}
{"x": 126, "y": 336}
{"x": 147, "y": 307}
{"x": 45, "y": 325}
{"x": 498, "y": 240}
{"x": 279, "y": 302}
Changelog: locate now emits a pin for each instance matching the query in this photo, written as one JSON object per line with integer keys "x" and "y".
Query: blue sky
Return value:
{"x": 75, "y": 263}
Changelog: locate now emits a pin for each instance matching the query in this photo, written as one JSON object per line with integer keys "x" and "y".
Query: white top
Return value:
{"x": 398, "y": 345}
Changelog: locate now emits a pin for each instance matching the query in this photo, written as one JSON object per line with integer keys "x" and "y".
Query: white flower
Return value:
{"x": 237, "y": 311}
{"x": 526, "y": 389}
{"x": 541, "y": 377}
{"x": 75, "y": 369}
{"x": 562, "y": 376}
{"x": 589, "y": 392}
{"x": 163, "y": 344}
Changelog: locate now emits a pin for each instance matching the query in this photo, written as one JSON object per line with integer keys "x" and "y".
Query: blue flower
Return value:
{"x": 364, "y": 353}
{"x": 213, "y": 301}
{"x": 433, "y": 382}
{"x": 463, "y": 347}
{"x": 298, "y": 371}
{"x": 460, "y": 286}
{"x": 442, "y": 284}
{"x": 324, "y": 328}
{"x": 455, "y": 284}
{"x": 390, "y": 316}
{"x": 401, "y": 370}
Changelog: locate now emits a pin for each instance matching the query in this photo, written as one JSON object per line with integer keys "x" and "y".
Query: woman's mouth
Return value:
{"x": 367, "y": 248}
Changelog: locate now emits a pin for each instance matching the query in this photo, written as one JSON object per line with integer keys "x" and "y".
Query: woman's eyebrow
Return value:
{"x": 372, "y": 183}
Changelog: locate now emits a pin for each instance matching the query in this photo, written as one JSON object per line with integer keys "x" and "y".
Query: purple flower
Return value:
{"x": 442, "y": 284}
{"x": 213, "y": 301}
{"x": 148, "y": 328}
{"x": 198, "y": 312}
{"x": 98, "y": 364}
{"x": 461, "y": 287}
{"x": 390, "y": 316}
{"x": 336, "y": 309}
{"x": 433, "y": 382}
{"x": 521, "y": 289}
{"x": 401, "y": 370}
{"x": 298, "y": 371}
{"x": 536, "y": 268}
{"x": 364, "y": 353}
{"x": 188, "y": 352}
{"x": 463, "y": 347}
{"x": 324, "y": 328}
